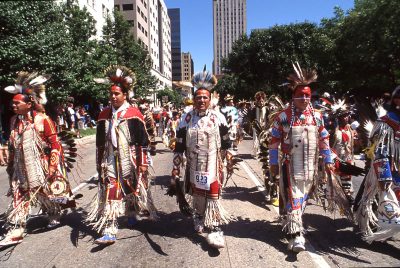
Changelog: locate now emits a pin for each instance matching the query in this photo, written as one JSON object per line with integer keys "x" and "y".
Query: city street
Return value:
{"x": 253, "y": 239}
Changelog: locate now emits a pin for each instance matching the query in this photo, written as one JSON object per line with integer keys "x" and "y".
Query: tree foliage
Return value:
{"x": 359, "y": 50}
{"x": 368, "y": 47}
{"x": 173, "y": 96}
{"x": 261, "y": 61}
{"x": 59, "y": 40}
{"x": 32, "y": 38}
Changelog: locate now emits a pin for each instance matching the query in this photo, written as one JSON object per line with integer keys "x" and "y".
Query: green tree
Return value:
{"x": 33, "y": 38}
{"x": 354, "y": 51}
{"x": 173, "y": 96}
{"x": 368, "y": 46}
{"x": 90, "y": 56}
{"x": 54, "y": 39}
{"x": 263, "y": 60}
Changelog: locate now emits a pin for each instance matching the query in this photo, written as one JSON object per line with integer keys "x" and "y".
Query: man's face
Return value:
{"x": 302, "y": 97}
{"x": 117, "y": 97}
{"x": 230, "y": 103}
{"x": 344, "y": 119}
{"x": 260, "y": 100}
{"x": 202, "y": 100}
{"x": 19, "y": 106}
{"x": 301, "y": 103}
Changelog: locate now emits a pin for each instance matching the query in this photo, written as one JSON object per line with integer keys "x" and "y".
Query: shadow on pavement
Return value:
{"x": 173, "y": 225}
{"x": 246, "y": 156}
{"x": 79, "y": 228}
{"x": 337, "y": 237}
{"x": 163, "y": 151}
{"x": 268, "y": 232}
{"x": 251, "y": 195}
{"x": 8, "y": 250}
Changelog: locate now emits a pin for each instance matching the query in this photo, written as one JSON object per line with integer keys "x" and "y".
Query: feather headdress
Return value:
{"x": 118, "y": 75}
{"x": 229, "y": 97}
{"x": 204, "y": 80}
{"x": 339, "y": 108}
{"x": 301, "y": 77}
{"x": 30, "y": 84}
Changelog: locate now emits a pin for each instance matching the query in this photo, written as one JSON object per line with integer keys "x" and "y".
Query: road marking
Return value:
{"x": 252, "y": 176}
{"x": 83, "y": 184}
{"x": 317, "y": 259}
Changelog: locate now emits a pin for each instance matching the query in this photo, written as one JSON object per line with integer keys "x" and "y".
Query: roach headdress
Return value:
{"x": 301, "y": 77}
{"x": 120, "y": 76}
{"x": 340, "y": 108}
{"x": 204, "y": 80}
{"x": 30, "y": 85}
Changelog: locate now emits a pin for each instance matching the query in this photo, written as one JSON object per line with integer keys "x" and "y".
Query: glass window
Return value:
{"x": 127, "y": 7}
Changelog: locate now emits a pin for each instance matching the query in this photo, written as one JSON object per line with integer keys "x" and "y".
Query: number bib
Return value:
{"x": 202, "y": 180}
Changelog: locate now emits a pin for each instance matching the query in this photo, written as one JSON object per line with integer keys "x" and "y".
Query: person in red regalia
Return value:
{"x": 37, "y": 171}
{"x": 121, "y": 142}
{"x": 300, "y": 133}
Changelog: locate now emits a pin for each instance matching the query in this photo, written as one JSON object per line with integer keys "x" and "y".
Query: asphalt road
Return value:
{"x": 253, "y": 239}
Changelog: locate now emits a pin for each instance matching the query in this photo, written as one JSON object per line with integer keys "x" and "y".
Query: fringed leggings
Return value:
{"x": 21, "y": 205}
{"x": 294, "y": 196}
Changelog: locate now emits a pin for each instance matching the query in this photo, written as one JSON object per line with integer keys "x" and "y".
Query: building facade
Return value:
{"x": 99, "y": 9}
{"x": 187, "y": 66}
{"x": 175, "y": 17}
{"x": 229, "y": 24}
{"x": 151, "y": 28}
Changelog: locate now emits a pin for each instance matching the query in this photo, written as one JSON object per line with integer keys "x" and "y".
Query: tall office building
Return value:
{"x": 229, "y": 17}
{"x": 187, "y": 66}
{"x": 151, "y": 27}
{"x": 99, "y": 9}
{"x": 175, "y": 16}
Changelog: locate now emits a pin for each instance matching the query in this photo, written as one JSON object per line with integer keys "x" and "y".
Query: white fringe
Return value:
{"x": 109, "y": 214}
{"x": 386, "y": 230}
{"x": 364, "y": 215}
{"x": 142, "y": 202}
{"x": 104, "y": 213}
{"x": 18, "y": 216}
{"x": 336, "y": 197}
{"x": 215, "y": 214}
{"x": 293, "y": 223}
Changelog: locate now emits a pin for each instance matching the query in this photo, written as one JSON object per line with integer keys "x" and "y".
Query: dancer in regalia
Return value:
{"x": 343, "y": 143}
{"x": 381, "y": 186}
{"x": 203, "y": 136}
{"x": 258, "y": 117}
{"x": 232, "y": 117}
{"x": 299, "y": 132}
{"x": 36, "y": 168}
{"x": 150, "y": 123}
{"x": 121, "y": 142}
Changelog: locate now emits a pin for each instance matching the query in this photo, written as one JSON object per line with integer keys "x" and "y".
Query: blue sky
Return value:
{"x": 197, "y": 28}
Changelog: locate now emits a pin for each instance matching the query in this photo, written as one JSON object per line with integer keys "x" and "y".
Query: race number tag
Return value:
{"x": 202, "y": 180}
